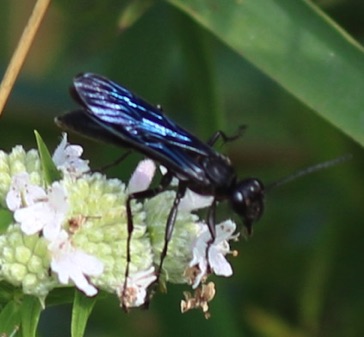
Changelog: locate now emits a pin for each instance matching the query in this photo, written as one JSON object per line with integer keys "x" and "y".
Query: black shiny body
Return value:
{"x": 113, "y": 114}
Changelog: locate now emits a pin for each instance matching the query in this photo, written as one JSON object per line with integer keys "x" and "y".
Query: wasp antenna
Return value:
{"x": 309, "y": 170}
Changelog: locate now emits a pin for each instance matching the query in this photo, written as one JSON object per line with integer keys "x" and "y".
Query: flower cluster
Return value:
{"x": 73, "y": 232}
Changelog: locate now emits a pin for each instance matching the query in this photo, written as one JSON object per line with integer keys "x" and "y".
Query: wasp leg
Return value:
{"x": 221, "y": 134}
{"x": 168, "y": 235}
{"x": 164, "y": 183}
{"x": 170, "y": 224}
{"x": 211, "y": 224}
{"x": 115, "y": 162}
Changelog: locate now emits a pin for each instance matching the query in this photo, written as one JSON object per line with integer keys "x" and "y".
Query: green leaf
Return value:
{"x": 60, "y": 296}
{"x": 10, "y": 318}
{"x": 270, "y": 325}
{"x": 30, "y": 312}
{"x": 298, "y": 46}
{"x": 6, "y": 218}
{"x": 8, "y": 292}
{"x": 200, "y": 69}
{"x": 51, "y": 173}
{"x": 82, "y": 308}
{"x": 133, "y": 12}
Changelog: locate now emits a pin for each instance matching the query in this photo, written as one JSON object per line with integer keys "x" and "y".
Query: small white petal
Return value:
{"x": 193, "y": 201}
{"x": 22, "y": 192}
{"x": 67, "y": 158}
{"x": 139, "y": 296}
{"x": 164, "y": 170}
{"x": 13, "y": 200}
{"x": 218, "y": 263}
{"x": 32, "y": 219}
{"x": 46, "y": 212}
{"x": 137, "y": 288}
{"x": 18, "y": 184}
{"x": 216, "y": 252}
{"x": 142, "y": 176}
{"x": 74, "y": 265}
{"x": 52, "y": 227}
{"x": 225, "y": 231}
{"x": 143, "y": 278}
{"x": 57, "y": 198}
{"x": 58, "y": 154}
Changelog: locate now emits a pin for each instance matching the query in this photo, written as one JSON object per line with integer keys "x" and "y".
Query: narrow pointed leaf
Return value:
{"x": 10, "y": 318}
{"x": 30, "y": 313}
{"x": 51, "y": 173}
{"x": 298, "y": 46}
{"x": 82, "y": 308}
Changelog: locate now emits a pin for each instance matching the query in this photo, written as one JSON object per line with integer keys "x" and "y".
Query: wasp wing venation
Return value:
{"x": 116, "y": 105}
{"x": 143, "y": 126}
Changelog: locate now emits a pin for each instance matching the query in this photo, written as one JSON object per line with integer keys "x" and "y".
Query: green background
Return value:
{"x": 293, "y": 73}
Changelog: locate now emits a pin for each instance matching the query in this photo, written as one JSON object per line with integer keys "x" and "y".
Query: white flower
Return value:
{"x": 216, "y": 252}
{"x": 82, "y": 226}
{"x": 36, "y": 209}
{"x": 142, "y": 176}
{"x": 67, "y": 158}
{"x": 136, "y": 292}
{"x": 193, "y": 201}
{"x": 22, "y": 192}
{"x": 73, "y": 264}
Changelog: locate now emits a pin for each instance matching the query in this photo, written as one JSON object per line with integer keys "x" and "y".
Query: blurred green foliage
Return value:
{"x": 302, "y": 272}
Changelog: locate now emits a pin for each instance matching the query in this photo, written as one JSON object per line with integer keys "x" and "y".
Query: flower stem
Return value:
{"x": 22, "y": 50}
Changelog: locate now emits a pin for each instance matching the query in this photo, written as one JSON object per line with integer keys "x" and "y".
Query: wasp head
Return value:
{"x": 247, "y": 200}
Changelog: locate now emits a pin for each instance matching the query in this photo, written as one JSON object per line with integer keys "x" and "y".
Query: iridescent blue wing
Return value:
{"x": 140, "y": 125}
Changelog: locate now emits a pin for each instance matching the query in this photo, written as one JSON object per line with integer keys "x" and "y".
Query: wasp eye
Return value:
{"x": 247, "y": 200}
